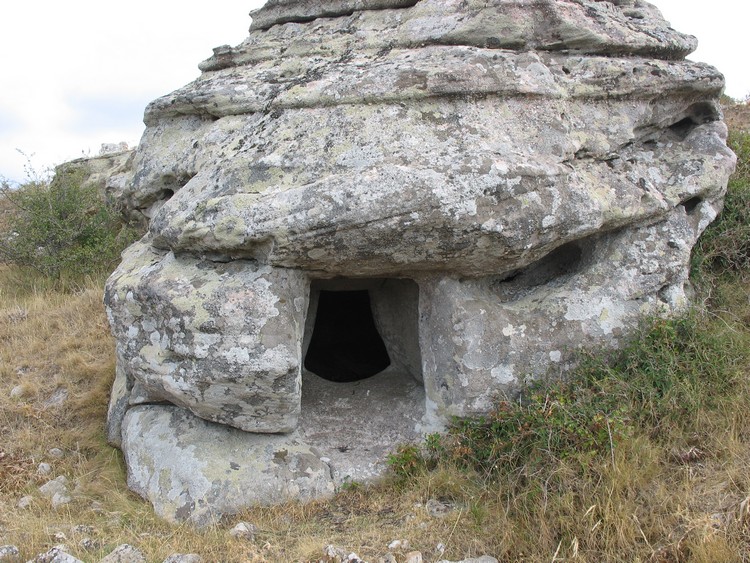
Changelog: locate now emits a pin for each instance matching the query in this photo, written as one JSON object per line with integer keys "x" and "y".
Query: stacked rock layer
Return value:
{"x": 509, "y": 180}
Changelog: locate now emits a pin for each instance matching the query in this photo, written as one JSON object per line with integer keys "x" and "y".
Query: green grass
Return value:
{"x": 723, "y": 252}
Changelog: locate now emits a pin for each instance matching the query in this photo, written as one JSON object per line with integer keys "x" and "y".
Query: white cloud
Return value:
{"x": 80, "y": 73}
{"x": 721, "y": 28}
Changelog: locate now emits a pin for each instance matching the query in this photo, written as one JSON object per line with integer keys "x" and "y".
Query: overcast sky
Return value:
{"x": 79, "y": 73}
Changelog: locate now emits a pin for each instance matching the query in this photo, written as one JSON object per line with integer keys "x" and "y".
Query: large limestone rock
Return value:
{"x": 494, "y": 184}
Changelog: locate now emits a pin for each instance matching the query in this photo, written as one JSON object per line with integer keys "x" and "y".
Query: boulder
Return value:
{"x": 194, "y": 470}
{"x": 221, "y": 340}
{"x": 492, "y": 185}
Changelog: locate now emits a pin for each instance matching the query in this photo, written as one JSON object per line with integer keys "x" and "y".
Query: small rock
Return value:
{"x": 57, "y": 399}
{"x": 60, "y": 499}
{"x": 9, "y": 554}
{"x": 59, "y": 485}
{"x": 243, "y": 530}
{"x": 437, "y": 509}
{"x": 17, "y": 392}
{"x": 25, "y": 502}
{"x": 57, "y": 491}
{"x": 44, "y": 469}
{"x": 57, "y": 554}
{"x": 87, "y": 544}
{"x": 413, "y": 557}
{"x": 183, "y": 558}
{"x": 124, "y": 554}
{"x": 57, "y": 453}
{"x": 59, "y": 537}
{"x": 333, "y": 554}
{"x": 398, "y": 544}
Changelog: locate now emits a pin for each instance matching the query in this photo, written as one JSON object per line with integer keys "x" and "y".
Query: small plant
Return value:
{"x": 351, "y": 485}
{"x": 407, "y": 461}
{"x": 571, "y": 419}
{"x": 724, "y": 249}
{"x": 674, "y": 370}
{"x": 61, "y": 228}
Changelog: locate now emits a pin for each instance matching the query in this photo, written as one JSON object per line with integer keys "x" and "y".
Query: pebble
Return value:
{"x": 413, "y": 557}
{"x": 398, "y": 544}
{"x": 333, "y": 554}
{"x": 437, "y": 509}
{"x": 243, "y": 530}
{"x": 87, "y": 544}
{"x": 56, "y": 453}
{"x": 25, "y": 502}
{"x": 17, "y": 393}
{"x": 44, "y": 469}
{"x": 57, "y": 491}
{"x": 58, "y": 398}
{"x": 124, "y": 553}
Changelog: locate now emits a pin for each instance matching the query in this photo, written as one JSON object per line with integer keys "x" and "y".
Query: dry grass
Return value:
{"x": 650, "y": 502}
{"x": 737, "y": 116}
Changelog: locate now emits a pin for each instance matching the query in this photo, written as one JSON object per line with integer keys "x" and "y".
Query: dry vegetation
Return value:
{"x": 667, "y": 488}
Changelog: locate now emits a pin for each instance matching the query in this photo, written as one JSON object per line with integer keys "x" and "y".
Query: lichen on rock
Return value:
{"x": 506, "y": 181}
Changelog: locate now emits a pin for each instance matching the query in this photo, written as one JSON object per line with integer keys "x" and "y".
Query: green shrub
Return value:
{"x": 724, "y": 249}
{"x": 658, "y": 386}
{"x": 61, "y": 229}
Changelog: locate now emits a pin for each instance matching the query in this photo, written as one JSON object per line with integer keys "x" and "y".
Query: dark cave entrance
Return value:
{"x": 358, "y": 328}
{"x": 345, "y": 344}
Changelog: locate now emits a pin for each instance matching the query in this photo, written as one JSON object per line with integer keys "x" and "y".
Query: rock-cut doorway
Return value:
{"x": 362, "y": 390}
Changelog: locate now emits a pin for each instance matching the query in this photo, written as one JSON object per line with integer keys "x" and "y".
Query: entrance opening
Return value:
{"x": 345, "y": 343}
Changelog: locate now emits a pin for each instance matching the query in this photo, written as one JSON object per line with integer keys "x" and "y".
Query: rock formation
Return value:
{"x": 113, "y": 160}
{"x": 455, "y": 195}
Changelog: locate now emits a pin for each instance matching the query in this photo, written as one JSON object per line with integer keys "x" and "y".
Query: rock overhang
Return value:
{"x": 525, "y": 177}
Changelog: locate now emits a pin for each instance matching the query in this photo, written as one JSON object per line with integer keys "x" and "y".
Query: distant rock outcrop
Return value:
{"x": 454, "y": 195}
{"x": 113, "y": 161}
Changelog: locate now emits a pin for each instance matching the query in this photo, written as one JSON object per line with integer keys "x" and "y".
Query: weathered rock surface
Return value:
{"x": 221, "y": 340}
{"x": 57, "y": 491}
{"x": 57, "y": 554}
{"x": 194, "y": 470}
{"x": 9, "y": 554}
{"x": 114, "y": 159}
{"x": 125, "y": 553}
{"x": 506, "y": 181}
